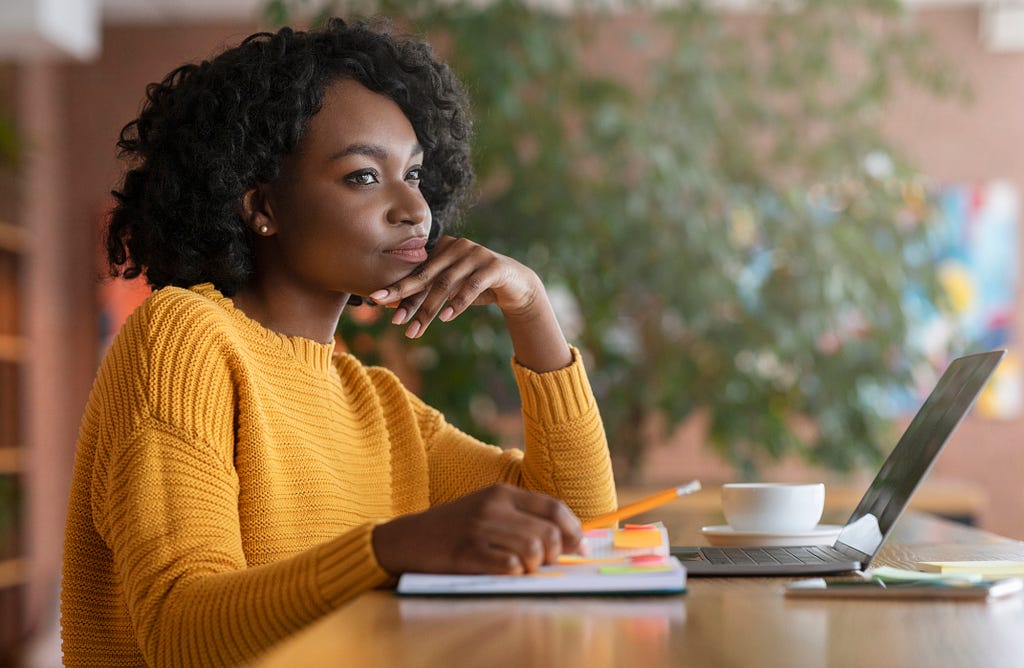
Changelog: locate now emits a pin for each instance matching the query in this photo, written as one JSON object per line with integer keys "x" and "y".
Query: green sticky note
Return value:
{"x": 890, "y": 574}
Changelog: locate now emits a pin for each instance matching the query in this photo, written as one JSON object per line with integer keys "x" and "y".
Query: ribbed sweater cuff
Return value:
{"x": 555, "y": 397}
{"x": 347, "y": 566}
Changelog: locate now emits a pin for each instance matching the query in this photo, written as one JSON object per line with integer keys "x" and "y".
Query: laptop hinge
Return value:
{"x": 852, "y": 553}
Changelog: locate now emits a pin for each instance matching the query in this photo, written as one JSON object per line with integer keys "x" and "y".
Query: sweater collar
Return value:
{"x": 316, "y": 355}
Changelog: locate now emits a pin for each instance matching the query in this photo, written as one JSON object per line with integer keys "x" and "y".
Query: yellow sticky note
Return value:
{"x": 631, "y": 539}
{"x": 570, "y": 559}
{"x": 993, "y": 568}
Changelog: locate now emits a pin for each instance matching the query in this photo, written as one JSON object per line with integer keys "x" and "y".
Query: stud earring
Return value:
{"x": 264, "y": 229}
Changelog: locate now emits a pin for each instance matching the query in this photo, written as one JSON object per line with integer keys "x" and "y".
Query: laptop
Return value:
{"x": 860, "y": 539}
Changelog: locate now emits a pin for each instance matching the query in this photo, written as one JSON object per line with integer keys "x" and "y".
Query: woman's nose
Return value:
{"x": 409, "y": 207}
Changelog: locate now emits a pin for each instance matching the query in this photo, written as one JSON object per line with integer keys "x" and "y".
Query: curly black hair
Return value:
{"x": 209, "y": 132}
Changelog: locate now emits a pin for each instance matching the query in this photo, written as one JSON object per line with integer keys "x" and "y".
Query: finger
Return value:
{"x": 406, "y": 308}
{"x": 554, "y": 511}
{"x": 435, "y": 299}
{"x": 401, "y": 298}
{"x": 412, "y": 307}
{"x": 483, "y": 556}
{"x": 493, "y": 559}
{"x": 424, "y": 282}
{"x": 469, "y": 291}
{"x": 443, "y": 284}
{"x": 421, "y": 276}
{"x": 533, "y": 541}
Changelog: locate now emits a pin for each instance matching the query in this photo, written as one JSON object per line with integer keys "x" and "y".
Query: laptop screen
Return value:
{"x": 916, "y": 451}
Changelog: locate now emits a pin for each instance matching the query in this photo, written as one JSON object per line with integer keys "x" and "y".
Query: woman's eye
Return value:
{"x": 365, "y": 177}
{"x": 414, "y": 174}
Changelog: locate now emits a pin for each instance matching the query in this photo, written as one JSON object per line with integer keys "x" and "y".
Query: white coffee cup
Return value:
{"x": 773, "y": 507}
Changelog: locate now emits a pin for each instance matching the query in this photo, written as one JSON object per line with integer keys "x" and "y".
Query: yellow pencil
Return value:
{"x": 643, "y": 505}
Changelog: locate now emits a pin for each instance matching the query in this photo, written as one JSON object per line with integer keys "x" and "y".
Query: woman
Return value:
{"x": 235, "y": 479}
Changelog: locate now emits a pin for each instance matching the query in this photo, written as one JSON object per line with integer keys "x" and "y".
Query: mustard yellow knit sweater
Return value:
{"x": 228, "y": 478}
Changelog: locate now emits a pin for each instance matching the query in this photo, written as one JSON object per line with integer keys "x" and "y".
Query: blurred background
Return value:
{"x": 767, "y": 226}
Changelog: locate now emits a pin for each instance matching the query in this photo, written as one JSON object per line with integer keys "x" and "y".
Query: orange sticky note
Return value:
{"x": 636, "y": 538}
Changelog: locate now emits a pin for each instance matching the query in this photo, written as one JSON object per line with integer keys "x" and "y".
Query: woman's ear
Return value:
{"x": 256, "y": 212}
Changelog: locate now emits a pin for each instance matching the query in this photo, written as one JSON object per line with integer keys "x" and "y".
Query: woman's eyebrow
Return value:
{"x": 370, "y": 150}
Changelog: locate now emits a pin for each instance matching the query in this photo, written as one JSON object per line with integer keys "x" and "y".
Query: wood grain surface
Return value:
{"x": 718, "y": 622}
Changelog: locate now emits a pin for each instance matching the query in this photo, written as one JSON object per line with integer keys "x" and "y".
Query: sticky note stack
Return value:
{"x": 635, "y": 548}
{"x": 631, "y": 540}
{"x": 634, "y": 559}
{"x": 639, "y": 537}
{"x": 985, "y": 569}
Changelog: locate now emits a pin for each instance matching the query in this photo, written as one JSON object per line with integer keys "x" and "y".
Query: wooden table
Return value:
{"x": 718, "y": 622}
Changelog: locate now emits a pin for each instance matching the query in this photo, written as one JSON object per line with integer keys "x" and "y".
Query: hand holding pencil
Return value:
{"x": 641, "y": 506}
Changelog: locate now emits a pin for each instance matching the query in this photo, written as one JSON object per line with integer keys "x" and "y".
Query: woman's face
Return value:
{"x": 346, "y": 212}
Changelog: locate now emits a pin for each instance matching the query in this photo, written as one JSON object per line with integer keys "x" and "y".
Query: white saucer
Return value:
{"x": 724, "y": 535}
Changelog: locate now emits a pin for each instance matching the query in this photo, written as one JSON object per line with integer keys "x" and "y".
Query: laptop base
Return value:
{"x": 729, "y": 561}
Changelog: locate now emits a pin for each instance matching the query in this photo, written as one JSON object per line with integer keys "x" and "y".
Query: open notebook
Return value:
{"x": 632, "y": 560}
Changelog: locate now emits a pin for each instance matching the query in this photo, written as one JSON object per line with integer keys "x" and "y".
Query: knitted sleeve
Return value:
{"x": 167, "y": 509}
{"x": 565, "y": 455}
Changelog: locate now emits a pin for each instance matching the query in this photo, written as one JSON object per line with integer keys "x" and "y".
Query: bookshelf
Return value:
{"x": 12, "y": 351}
{"x": 11, "y": 358}
{"x": 13, "y": 249}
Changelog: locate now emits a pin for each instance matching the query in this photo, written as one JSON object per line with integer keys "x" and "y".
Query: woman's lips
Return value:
{"x": 413, "y": 250}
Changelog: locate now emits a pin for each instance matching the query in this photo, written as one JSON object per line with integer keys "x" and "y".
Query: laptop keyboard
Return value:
{"x": 772, "y": 555}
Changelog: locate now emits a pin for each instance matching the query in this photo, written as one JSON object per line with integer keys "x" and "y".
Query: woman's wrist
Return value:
{"x": 537, "y": 338}
{"x": 532, "y": 304}
{"x": 387, "y": 548}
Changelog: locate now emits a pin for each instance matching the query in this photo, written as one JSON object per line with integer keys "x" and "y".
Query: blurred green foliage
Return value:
{"x": 725, "y": 228}
{"x": 10, "y": 142}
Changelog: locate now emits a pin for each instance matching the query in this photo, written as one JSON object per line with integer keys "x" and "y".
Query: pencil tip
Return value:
{"x": 688, "y": 488}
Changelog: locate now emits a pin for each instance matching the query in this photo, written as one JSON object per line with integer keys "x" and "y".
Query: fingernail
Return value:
{"x": 446, "y": 314}
{"x": 379, "y": 295}
{"x": 413, "y": 330}
{"x": 399, "y": 317}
